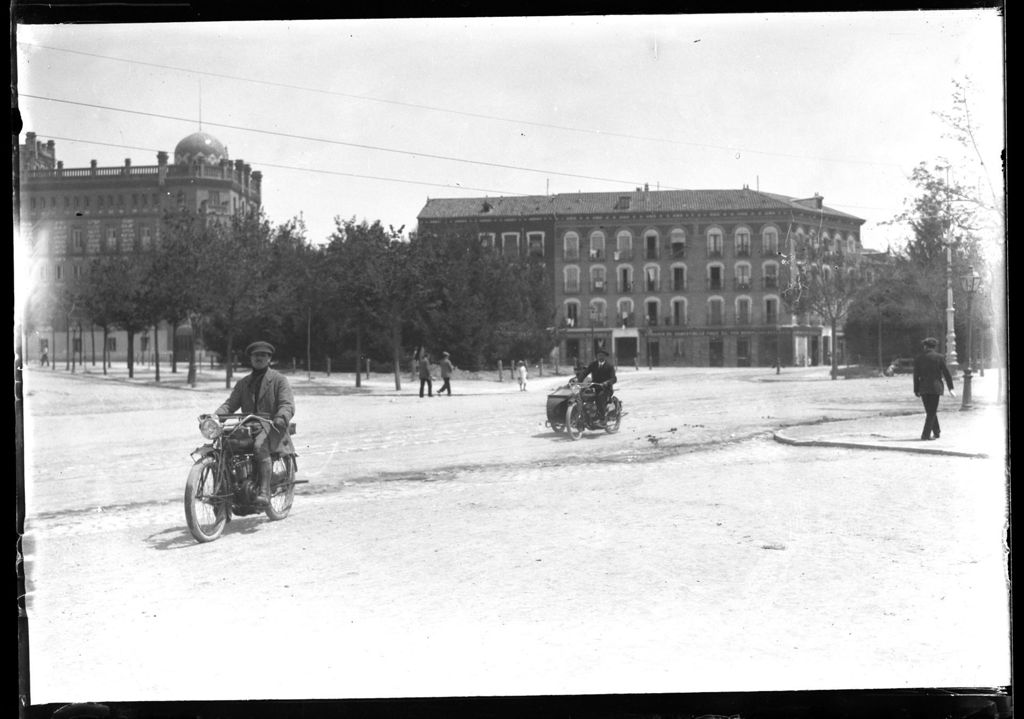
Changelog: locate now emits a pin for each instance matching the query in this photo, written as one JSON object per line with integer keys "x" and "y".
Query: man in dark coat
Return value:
{"x": 930, "y": 373}
{"x": 601, "y": 373}
{"x": 266, "y": 393}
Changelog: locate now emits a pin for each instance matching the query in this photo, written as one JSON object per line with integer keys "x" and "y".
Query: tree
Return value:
{"x": 822, "y": 281}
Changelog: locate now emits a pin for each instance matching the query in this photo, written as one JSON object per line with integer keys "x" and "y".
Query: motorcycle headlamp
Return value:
{"x": 210, "y": 428}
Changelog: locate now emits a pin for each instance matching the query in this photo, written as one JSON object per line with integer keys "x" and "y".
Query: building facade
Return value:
{"x": 679, "y": 277}
{"x": 70, "y": 216}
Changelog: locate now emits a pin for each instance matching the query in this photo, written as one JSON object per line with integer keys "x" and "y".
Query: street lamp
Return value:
{"x": 970, "y": 282}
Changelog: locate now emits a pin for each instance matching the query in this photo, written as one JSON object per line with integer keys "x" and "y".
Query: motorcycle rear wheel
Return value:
{"x": 613, "y": 416}
{"x": 205, "y": 515}
{"x": 281, "y": 497}
{"x": 574, "y": 421}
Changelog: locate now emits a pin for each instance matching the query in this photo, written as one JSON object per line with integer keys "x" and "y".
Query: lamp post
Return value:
{"x": 650, "y": 362}
{"x": 970, "y": 282}
{"x": 950, "y": 312}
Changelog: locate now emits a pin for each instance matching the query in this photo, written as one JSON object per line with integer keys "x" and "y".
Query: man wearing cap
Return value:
{"x": 601, "y": 373}
{"x": 266, "y": 393}
{"x": 930, "y": 372}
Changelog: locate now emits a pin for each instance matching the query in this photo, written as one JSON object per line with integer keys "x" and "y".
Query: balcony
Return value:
{"x": 572, "y": 288}
{"x": 679, "y": 286}
{"x": 623, "y": 255}
{"x": 770, "y": 283}
{"x": 626, "y": 319}
{"x": 625, "y": 287}
{"x": 713, "y": 283}
{"x": 652, "y": 254}
{"x": 678, "y": 251}
{"x": 597, "y": 287}
{"x": 743, "y": 251}
{"x": 652, "y": 286}
{"x": 597, "y": 255}
{"x": 741, "y": 283}
{"x": 714, "y": 252}
{"x": 572, "y": 255}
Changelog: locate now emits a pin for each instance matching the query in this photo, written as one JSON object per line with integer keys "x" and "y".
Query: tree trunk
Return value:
{"x": 156, "y": 350}
{"x": 106, "y": 348}
{"x": 174, "y": 347}
{"x": 67, "y": 342}
{"x": 396, "y": 356}
{"x": 131, "y": 354}
{"x": 230, "y": 358}
{"x": 309, "y": 356}
{"x": 192, "y": 353}
{"x": 92, "y": 338}
{"x": 359, "y": 354}
{"x": 834, "y": 372}
{"x": 881, "y": 367}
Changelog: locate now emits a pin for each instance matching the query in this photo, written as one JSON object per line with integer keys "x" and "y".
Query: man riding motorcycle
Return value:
{"x": 267, "y": 393}
{"x": 602, "y": 374}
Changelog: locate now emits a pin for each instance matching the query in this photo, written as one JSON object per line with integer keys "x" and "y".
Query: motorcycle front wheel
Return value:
{"x": 613, "y": 416}
{"x": 281, "y": 497}
{"x": 574, "y": 421}
{"x": 205, "y": 514}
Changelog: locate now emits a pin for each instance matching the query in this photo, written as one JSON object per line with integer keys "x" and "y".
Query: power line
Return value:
{"x": 462, "y": 113}
{"x": 361, "y": 146}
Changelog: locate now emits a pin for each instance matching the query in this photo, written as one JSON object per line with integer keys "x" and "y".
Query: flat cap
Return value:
{"x": 260, "y": 346}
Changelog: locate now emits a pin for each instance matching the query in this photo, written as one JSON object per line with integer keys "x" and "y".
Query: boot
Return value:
{"x": 264, "y": 470}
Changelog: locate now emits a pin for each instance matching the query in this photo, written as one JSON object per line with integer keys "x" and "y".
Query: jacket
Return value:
{"x": 275, "y": 400}
{"x": 424, "y": 369}
{"x": 930, "y": 372}
{"x": 600, "y": 373}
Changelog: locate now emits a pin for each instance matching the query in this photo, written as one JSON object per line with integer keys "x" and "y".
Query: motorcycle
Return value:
{"x": 223, "y": 482}
{"x": 573, "y": 409}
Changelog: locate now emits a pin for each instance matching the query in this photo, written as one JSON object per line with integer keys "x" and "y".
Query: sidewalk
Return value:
{"x": 977, "y": 432}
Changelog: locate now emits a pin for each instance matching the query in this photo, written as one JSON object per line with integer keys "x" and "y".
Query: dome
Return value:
{"x": 201, "y": 147}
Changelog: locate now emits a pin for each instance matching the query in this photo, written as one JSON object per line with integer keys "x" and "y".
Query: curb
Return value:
{"x": 848, "y": 444}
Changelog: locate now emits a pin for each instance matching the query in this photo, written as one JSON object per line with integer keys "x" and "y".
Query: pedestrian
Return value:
{"x": 521, "y": 372}
{"x": 425, "y": 381}
{"x": 446, "y": 374}
{"x": 930, "y": 373}
{"x": 44, "y": 361}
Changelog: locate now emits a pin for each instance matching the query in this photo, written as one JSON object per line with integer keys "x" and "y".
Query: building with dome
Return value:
{"x": 70, "y": 216}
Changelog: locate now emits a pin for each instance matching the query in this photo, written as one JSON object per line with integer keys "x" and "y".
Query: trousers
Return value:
{"x": 931, "y": 417}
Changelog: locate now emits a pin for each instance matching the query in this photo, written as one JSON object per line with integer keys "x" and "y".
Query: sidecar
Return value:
{"x": 557, "y": 402}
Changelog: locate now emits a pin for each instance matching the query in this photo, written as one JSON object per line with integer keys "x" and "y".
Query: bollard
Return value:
{"x": 501, "y": 371}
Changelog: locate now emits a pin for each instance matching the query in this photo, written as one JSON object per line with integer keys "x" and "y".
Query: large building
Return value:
{"x": 70, "y": 216}
{"x": 679, "y": 277}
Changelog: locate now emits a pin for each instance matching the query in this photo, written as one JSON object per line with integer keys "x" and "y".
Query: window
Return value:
{"x": 715, "y": 273}
{"x": 572, "y": 314}
{"x": 770, "y": 272}
{"x": 571, "y": 246}
{"x": 214, "y": 198}
{"x": 624, "y": 245}
{"x": 771, "y": 311}
{"x": 742, "y": 271}
{"x": 678, "y": 241}
{"x": 651, "y": 245}
{"x": 572, "y": 278}
{"x": 597, "y": 313}
{"x": 145, "y": 240}
{"x": 679, "y": 312}
{"x": 652, "y": 312}
{"x": 58, "y": 272}
{"x": 510, "y": 244}
{"x": 715, "y": 313}
{"x": 743, "y": 242}
{"x": 625, "y": 279}
{"x": 680, "y": 348}
{"x": 743, "y": 311}
{"x": 714, "y": 242}
{"x": 678, "y": 278}
{"x": 487, "y": 240}
{"x": 597, "y": 280}
{"x": 76, "y": 271}
{"x": 597, "y": 245}
{"x": 624, "y": 312}
{"x": 111, "y": 244}
{"x": 851, "y": 245}
{"x": 135, "y": 199}
{"x": 535, "y": 244}
{"x": 651, "y": 278}
{"x": 76, "y": 239}
{"x": 99, "y": 201}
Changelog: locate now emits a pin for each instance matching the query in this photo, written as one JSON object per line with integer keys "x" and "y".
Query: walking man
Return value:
{"x": 930, "y": 373}
{"x": 424, "y": 367}
{"x": 446, "y": 374}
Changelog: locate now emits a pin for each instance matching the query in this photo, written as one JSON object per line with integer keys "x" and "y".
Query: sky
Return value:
{"x": 367, "y": 119}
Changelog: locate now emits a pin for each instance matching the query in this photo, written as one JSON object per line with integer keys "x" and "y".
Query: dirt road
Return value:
{"x": 456, "y": 546}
